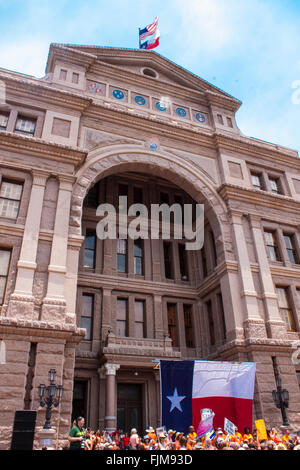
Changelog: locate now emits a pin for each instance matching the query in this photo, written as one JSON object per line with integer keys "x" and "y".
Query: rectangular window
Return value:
{"x": 204, "y": 262}
{"x": 90, "y": 249}
{"x": 285, "y": 308}
{"x": 210, "y": 323}
{"x": 75, "y": 77}
{"x": 139, "y": 313}
{"x": 257, "y": 181}
{"x": 138, "y": 256}
{"x": 220, "y": 119}
{"x": 122, "y": 256}
{"x": 290, "y": 248}
{"x": 87, "y": 310}
{"x": 188, "y": 325}
{"x": 63, "y": 74}
{"x": 272, "y": 248}
{"x": 4, "y": 266}
{"x": 179, "y": 200}
{"x": 25, "y": 125}
{"x": 122, "y": 314}
{"x": 213, "y": 248}
{"x": 91, "y": 199}
{"x": 10, "y": 197}
{"x": 229, "y": 122}
{"x": 275, "y": 185}
{"x": 171, "y": 308}
{"x": 3, "y": 120}
{"x": 222, "y": 314}
{"x": 137, "y": 195}
{"x": 123, "y": 190}
{"x": 183, "y": 262}
{"x": 168, "y": 261}
{"x": 164, "y": 198}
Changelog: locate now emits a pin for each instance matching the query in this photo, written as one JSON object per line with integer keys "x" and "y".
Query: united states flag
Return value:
{"x": 148, "y": 31}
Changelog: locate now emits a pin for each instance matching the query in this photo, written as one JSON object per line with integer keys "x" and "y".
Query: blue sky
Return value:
{"x": 248, "y": 48}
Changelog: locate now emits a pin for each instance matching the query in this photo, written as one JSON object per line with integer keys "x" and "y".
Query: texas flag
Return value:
{"x": 187, "y": 387}
{"x": 149, "y": 36}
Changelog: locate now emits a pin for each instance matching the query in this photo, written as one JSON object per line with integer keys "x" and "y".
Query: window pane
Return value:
{"x": 90, "y": 241}
{"x": 137, "y": 195}
{"x": 121, "y": 328}
{"x": 2, "y": 288}
{"x": 139, "y": 307}
{"x": 274, "y": 186}
{"x": 86, "y": 322}
{"x": 4, "y": 262}
{"x": 89, "y": 258}
{"x": 288, "y": 241}
{"x": 282, "y": 297}
{"x": 63, "y": 74}
{"x": 121, "y": 261}
{"x": 183, "y": 262}
{"x": 87, "y": 305}
{"x": 9, "y": 208}
{"x": 122, "y": 246}
{"x": 171, "y": 308}
{"x": 189, "y": 339}
{"x": 139, "y": 330}
{"x": 3, "y": 120}
{"x": 121, "y": 309}
{"x": 25, "y": 125}
{"x": 138, "y": 266}
{"x": 256, "y": 181}
{"x": 11, "y": 190}
{"x": 75, "y": 77}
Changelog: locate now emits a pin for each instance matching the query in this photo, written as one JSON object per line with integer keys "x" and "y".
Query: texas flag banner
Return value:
{"x": 187, "y": 387}
{"x": 149, "y": 36}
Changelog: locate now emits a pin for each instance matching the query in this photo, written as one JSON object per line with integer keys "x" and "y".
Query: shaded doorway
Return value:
{"x": 129, "y": 408}
{"x": 79, "y": 400}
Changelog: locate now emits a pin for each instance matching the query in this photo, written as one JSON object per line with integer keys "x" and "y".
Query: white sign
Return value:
{"x": 229, "y": 427}
{"x": 161, "y": 430}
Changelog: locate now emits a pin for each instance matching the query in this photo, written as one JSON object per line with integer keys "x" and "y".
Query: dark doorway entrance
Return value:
{"x": 79, "y": 400}
{"x": 130, "y": 409}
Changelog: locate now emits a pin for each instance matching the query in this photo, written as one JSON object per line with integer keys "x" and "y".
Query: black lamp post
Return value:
{"x": 281, "y": 400}
{"x": 53, "y": 395}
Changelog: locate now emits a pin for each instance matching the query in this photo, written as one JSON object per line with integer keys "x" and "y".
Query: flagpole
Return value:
{"x": 139, "y": 38}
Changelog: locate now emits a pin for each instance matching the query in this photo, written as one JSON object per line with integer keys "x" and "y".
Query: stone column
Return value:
{"x": 158, "y": 318}
{"x": 110, "y": 408}
{"x": 71, "y": 278}
{"x": 254, "y": 325}
{"x": 54, "y": 304}
{"x": 275, "y": 326}
{"x": 22, "y": 301}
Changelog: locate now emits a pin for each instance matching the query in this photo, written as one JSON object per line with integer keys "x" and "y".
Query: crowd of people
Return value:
{"x": 81, "y": 438}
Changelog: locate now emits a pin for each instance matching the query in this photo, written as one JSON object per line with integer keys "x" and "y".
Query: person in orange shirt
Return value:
{"x": 286, "y": 438}
{"x": 237, "y": 436}
{"x": 247, "y": 435}
{"x": 151, "y": 434}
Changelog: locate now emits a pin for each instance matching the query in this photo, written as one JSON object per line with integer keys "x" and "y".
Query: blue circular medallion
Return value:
{"x": 181, "y": 112}
{"x": 118, "y": 94}
{"x": 153, "y": 146}
{"x": 140, "y": 100}
{"x": 200, "y": 117}
{"x": 160, "y": 106}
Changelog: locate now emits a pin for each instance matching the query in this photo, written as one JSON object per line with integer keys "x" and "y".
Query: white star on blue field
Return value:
{"x": 175, "y": 399}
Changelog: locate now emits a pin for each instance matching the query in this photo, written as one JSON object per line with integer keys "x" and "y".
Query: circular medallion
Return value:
{"x": 181, "y": 112}
{"x": 118, "y": 94}
{"x": 95, "y": 88}
{"x": 200, "y": 117}
{"x": 153, "y": 146}
{"x": 160, "y": 106}
{"x": 140, "y": 100}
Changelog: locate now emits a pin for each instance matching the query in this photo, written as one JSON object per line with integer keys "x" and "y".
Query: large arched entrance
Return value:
{"x": 139, "y": 300}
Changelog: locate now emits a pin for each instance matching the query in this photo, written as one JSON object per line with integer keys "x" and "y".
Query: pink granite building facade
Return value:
{"x": 105, "y": 123}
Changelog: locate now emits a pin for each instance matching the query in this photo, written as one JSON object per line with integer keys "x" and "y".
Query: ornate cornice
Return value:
{"x": 41, "y": 91}
{"x": 230, "y": 192}
{"x": 9, "y": 141}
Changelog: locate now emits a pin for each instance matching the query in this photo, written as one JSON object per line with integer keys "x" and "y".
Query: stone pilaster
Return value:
{"x": 54, "y": 304}
{"x": 254, "y": 325}
{"x": 275, "y": 326}
{"x": 22, "y": 301}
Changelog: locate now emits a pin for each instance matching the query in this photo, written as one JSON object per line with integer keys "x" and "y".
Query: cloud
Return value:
{"x": 25, "y": 56}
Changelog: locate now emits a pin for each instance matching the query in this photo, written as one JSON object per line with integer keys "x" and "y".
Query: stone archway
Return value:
{"x": 104, "y": 161}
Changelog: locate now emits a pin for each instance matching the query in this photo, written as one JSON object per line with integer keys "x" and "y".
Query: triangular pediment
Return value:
{"x": 135, "y": 61}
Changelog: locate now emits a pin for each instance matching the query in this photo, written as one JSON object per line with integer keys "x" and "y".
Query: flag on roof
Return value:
{"x": 149, "y": 36}
{"x": 189, "y": 387}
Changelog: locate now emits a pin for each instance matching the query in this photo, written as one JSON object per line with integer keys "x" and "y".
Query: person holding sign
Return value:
{"x": 247, "y": 435}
